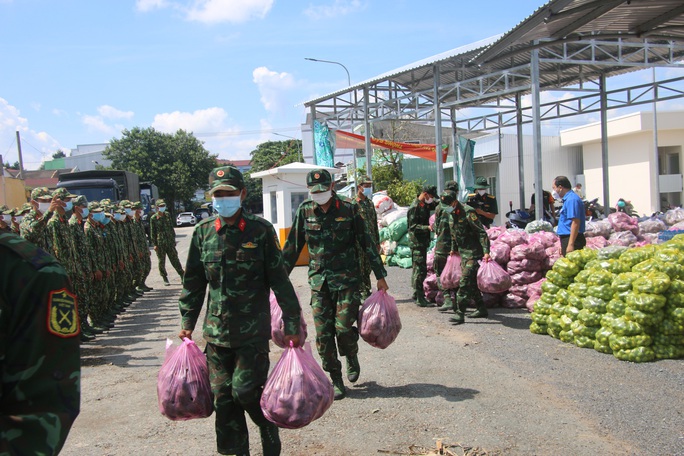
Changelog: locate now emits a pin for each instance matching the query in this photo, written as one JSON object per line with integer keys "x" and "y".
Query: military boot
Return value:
{"x": 448, "y": 303}
{"x": 353, "y": 368}
{"x": 458, "y": 318}
{"x": 166, "y": 281}
{"x": 270, "y": 440}
{"x": 338, "y": 386}
{"x": 86, "y": 337}
{"x": 481, "y": 312}
{"x": 146, "y": 288}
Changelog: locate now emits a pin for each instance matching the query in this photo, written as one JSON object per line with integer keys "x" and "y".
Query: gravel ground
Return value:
{"x": 486, "y": 387}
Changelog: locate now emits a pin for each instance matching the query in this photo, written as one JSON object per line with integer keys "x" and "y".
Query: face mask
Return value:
{"x": 43, "y": 207}
{"x": 98, "y": 216}
{"x": 6, "y": 218}
{"x": 429, "y": 200}
{"x": 226, "y": 206}
{"x": 84, "y": 212}
{"x": 119, "y": 217}
{"x": 129, "y": 211}
{"x": 162, "y": 209}
{"x": 367, "y": 192}
{"x": 449, "y": 209}
{"x": 106, "y": 220}
{"x": 555, "y": 195}
{"x": 320, "y": 198}
{"x": 481, "y": 192}
{"x": 68, "y": 206}
{"x": 18, "y": 218}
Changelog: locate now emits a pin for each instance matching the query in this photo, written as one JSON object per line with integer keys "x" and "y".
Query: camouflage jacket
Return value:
{"x": 162, "y": 233}
{"x": 81, "y": 247}
{"x": 330, "y": 237}
{"x": 485, "y": 202}
{"x": 443, "y": 228}
{"x": 61, "y": 242}
{"x": 469, "y": 235}
{"x": 240, "y": 263}
{"x": 94, "y": 236}
{"x": 33, "y": 229}
{"x": 368, "y": 214}
{"x": 39, "y": 351}
{"x": 418, "y": 219}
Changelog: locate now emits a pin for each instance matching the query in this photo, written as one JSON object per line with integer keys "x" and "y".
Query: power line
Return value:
{"x": 245, "y": 132}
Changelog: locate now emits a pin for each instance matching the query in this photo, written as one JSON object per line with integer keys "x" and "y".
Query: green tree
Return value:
{"x": 178, "y": 164}
{"x": 268, "y": 155}
{"x": 59, "y": 154}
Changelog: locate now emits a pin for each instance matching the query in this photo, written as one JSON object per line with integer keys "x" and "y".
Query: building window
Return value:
{"x": 274, "y": 208}
{"x": 296, "y": 199}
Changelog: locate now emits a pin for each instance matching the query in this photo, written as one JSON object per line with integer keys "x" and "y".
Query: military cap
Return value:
{"x": 481, "y": 183}
{"x": 136, "y": 205}
{"x": 125, "y": 203}
{"x": 80, "y": 200}
{"x": 448, "y": 197}
{"x": 318, "y": 180}
{"x": 40, "y": 192}
{"x": 161, "y": 202}
{"x": 105, "y": 202}
{"x": 62, "y": 193}
{"x": 11, "y": 212}
{"x": 94, "y": 206}
{"x": 451, "y": 185}
{"x": 226, "y": 178}
{"x": 431, "y": 190}
{"x": 364, "y": 180}
{"x": 3, "y": 208}
{"x": 25, "y": 208}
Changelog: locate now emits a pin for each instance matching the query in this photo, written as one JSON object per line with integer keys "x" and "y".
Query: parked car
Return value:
{"x": 186, "y": 218}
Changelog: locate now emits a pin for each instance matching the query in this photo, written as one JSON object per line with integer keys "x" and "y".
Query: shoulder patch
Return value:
{"x": 473, "y": 216}
{"x": 62, "y": 314}
{"x": 249, "y": 245}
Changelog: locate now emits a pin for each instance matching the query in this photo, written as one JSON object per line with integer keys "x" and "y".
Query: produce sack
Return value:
{"x": 515, "y": 267}
{"x": 430, "y": 260}
{"x": 596, "y": 242}
{"x": 513, "y": 237}
{"x": 183, "y": 388}
{"x": 674, "y": 216}
{"x": 451, "y": 275}
{"x": 491, "y": 300}
{"x": 278, "y": 327}
{"x": 382, "y": 203}
{"x": 547, "y": 239}
{"x": 491, "y": 278}
{"x": 392, "y": 216}
{"x": 528, "y": 251}
{"x": 623, "y": 238}
{"x": 398, "y": 229}
{"x": 297, "y": 390}
{"x": 500, "y": 252}
{"x": 652, "y": 225}
{"x": 623, "y": 222}
{"x": 511, "y": 301}
{"x": 597, "y": 228}
{"x": 539, "y": 225}
{"x": 379, "y": 322}
{"x": 526, "y": 277}
{"x": 494, "y": 232}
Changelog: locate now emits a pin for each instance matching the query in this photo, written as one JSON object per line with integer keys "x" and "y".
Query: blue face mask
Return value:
{"x": 226, "y": 206}
{"x": 68, "y": 206}
{"x": 367, "y": 192}
{"x": 129, "y": 211}
{"x": 84, "y": 212}
{"x": 106, "y": 220}
{"x": 98, "y": 216}
{"x": 449, "y": 209}
{"x": 162, "y": 209}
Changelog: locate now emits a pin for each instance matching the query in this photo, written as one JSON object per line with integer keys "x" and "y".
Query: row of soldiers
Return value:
{"x": 101, "y": 245}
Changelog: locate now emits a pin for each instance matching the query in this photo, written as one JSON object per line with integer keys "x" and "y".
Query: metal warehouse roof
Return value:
{"x": 577, "y": 43}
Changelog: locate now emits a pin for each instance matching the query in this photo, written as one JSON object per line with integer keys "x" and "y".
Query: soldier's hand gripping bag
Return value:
{"x": 183, "y": 388}
{"x": 297, "y": 391}
{"x": 492, "y": 278}
{"x": 278, "y": 327}
{"x": 379, "y": 322}
{"x": 451, "y": 275}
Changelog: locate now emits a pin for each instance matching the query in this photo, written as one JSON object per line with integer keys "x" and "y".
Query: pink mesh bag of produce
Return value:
{"x": 451, "y": 274}
{"x": 379, "y": 322}
{"x": 183, "y": 388}
{"x": 278, "y": 327}
{"x": 492, "y": 278}
{"x": 297, "y": 391}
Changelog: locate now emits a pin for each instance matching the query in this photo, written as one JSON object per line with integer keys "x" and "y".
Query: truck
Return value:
{"x": 115, "y": 185}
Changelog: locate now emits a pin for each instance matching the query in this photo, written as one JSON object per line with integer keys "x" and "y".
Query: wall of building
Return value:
{"x": 12, "y": 192}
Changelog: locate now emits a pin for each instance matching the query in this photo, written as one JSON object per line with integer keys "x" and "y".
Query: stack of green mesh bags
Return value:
{"x": 625, "y": 301}
{"x": 401, "y": 253}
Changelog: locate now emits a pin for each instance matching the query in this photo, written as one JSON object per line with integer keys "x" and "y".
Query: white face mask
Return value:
{"x": 321, "y": 198}
{"x": 429, "y": 200}
{"x": 18, "y": 218}
{"x": 43, "y": 207}
{"x": 481, "y": 192}
{"x": 6, "y": 218}
{"x": 555, "y": 195}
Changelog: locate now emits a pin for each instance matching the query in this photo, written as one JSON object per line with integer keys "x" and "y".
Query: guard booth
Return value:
{"x": 284, "y": 189}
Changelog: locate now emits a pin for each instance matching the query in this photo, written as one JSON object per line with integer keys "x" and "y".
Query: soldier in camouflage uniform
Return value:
{"x": 57, "y": 230}
{"x": 472, "y": 242}
{"x": 32, "y": 227}
{"x": 370, "y": 217}
{"x": 163, "y": 238}
{"x": 5, "y": 219}
{"x": 418, "y": 219}
{"x": 39, "y": 351}
{"x": 329, "y": 225}
{"x": 82, "y": 277}
{"x": 238, "y": 256}
{"x": 94, "y": 237}
{"x": 18, "y": 216}
{"x": 444, "y": 244}
{"x": 484, "y": 203}
{"x": 143, "y": 248}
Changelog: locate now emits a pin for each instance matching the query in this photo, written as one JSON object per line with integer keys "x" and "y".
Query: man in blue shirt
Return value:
{"x": 572, "y": 216}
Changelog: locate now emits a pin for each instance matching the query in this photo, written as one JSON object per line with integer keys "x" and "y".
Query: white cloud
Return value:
{"x": 234, "y": 11}
{"x": 273, "y": 87}
{"x": 149, "y": 5}
{"x": 96, "y": 123}
{"x": 36, "y": 145}
{"x": 113, "y": 113}
{"x": 336, "y": 9}
{"x": 203, "y": 120}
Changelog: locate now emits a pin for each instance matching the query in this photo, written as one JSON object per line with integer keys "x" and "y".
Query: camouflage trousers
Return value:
{"x": 334, "y": 314}
{"x": 237, "y": 377}
{"x": 162, "y": 253}
{"x": 365, "y": 272}
{"x": 439, "y": 263}
{"x": 467, "y": 288}
{"x": 419, "y": 261}
{"x": 146, "y": 267}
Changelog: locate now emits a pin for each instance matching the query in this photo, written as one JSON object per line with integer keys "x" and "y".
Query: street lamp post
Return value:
{"x": 351, "y": 127}
{"x": 301, "y": 153}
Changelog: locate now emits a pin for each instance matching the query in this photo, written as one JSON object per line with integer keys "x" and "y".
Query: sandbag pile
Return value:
{"x": 628, "y": 302}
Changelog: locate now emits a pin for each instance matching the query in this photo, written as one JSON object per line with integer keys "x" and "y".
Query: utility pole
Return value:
{"x": 21, "y": 160}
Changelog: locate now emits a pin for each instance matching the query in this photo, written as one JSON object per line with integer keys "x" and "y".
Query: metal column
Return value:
{"x": 655, "y": 199}
{"x": 313, "y": 134}
{"x": 521, "y": 167}
{"x": 536, "y": 137}
{"x": 367, "y": 129}
{"x": 604, "y": 143}
{"x": 454, "y": 145}
{"x": 438, "y": 130}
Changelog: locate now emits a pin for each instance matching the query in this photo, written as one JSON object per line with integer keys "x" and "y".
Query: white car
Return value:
{"x": 186, "y": 218}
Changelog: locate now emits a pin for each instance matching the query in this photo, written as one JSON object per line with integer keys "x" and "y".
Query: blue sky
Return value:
{"x": 230, "y": 71}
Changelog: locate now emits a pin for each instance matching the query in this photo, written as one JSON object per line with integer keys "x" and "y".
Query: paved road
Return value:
{"x": 489, "y": 384}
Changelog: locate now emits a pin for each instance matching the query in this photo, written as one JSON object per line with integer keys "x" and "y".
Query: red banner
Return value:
{"x": 346, "y": 140}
